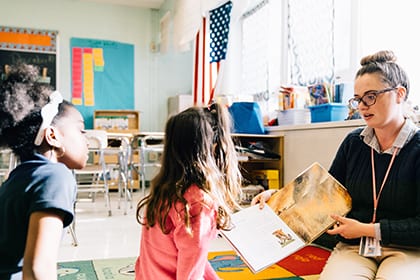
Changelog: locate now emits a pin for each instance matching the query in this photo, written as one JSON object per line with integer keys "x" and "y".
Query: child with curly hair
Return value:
{"x": 46, "y": 133}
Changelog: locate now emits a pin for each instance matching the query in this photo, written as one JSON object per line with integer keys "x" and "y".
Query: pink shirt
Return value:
{"x": 179, "y": 255}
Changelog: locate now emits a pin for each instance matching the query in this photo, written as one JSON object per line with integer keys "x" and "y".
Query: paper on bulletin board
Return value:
{"x": 88, "y": 77}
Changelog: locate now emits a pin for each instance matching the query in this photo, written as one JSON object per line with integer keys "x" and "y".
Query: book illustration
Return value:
{"x": 254, "y": 237}
{"x": 283, "y": 238}
{"x": 316, "y": 190}
{"x": 297, "y": 214}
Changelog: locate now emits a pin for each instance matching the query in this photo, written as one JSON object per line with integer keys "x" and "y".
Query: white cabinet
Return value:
{"x": 305, "y": 144}
{"x": 179, "y": 103}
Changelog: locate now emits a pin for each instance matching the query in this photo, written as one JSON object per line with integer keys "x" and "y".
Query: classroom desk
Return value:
{"x": 132, "y": 158}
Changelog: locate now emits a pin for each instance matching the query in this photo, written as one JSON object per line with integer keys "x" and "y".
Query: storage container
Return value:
{"x": 329, "y": 112}
{"x": 268, "y": 178}
{"x": 293, "y": 116}
{"x": 247, "y": 118}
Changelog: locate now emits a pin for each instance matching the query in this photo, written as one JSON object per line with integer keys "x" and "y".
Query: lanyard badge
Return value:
{"x": 370, "y": 246}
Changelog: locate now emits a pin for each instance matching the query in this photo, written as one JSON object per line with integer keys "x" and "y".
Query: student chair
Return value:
{"x": 94, "y": 177}
{"x": 119, "y": 146}
{"x": 149, "y": 148}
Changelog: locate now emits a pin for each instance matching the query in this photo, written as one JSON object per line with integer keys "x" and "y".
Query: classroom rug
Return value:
{"x": 101, "y": 269}
{"x": 305, "y": 264}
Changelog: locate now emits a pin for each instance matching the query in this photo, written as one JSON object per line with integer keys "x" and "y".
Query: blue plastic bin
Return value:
{"x": 328, "y": 112}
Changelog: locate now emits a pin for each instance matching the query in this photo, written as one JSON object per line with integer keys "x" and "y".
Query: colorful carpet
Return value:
{"x": 305, "y": 264}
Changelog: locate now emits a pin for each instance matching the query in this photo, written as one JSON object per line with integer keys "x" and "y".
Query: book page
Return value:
{"x": 306, "y": 203}
{"x": 297, "y": 214}
{"x": 261, "y": 238}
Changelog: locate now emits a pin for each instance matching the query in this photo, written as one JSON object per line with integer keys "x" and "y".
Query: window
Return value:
{"x": 294, "y": 42}
{"x": 304, "y": 41}
{"x": 387, "y": 24}
{"x": 311, "y": 54}
{"x": 261, "y": 52}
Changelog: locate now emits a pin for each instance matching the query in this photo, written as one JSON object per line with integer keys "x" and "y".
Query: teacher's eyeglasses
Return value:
{"x": 368, "y": 99}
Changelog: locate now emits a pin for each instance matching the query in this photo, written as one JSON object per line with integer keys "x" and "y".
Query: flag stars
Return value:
{"x": 219, "y": 30}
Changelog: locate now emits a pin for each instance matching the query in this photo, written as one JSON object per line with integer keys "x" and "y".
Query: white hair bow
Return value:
{"x": 48, "y": 112}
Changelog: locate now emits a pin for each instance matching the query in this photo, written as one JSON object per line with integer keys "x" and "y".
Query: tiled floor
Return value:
{"x": 101, "y": 237}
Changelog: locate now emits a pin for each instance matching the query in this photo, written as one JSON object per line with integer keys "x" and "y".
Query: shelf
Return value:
{"x": 117, "y": 121}
{"x": 265, "y": 143}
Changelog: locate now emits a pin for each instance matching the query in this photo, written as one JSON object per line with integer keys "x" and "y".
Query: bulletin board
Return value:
{"x": 102, "y": 76}
{"x": 31, "y": 46}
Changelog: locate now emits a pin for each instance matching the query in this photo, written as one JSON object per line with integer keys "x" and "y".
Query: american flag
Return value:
{"x": 210, "y": 52}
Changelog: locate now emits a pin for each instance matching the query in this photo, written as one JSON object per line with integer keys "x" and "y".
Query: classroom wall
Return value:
{"x": 173, "y": 69}
{"x": 155, "y": 78}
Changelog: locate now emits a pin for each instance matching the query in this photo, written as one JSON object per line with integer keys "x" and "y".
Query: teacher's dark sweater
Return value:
{"x": 398, "y": 209}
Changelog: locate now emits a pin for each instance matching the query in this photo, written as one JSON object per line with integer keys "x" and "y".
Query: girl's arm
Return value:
{"x": 42, "y": 244}
{"x": 263, "y": 197}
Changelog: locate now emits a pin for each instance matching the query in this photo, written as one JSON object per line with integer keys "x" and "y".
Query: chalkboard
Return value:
{"x": 45, "y": 61}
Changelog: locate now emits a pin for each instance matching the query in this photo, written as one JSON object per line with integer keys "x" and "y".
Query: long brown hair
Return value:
{"x": 194, "y": 145}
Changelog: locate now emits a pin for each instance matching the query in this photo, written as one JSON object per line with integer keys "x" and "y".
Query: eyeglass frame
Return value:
{"x": 369, "y": 92}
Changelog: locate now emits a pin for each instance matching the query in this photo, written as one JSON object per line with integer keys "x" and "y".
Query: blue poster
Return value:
{"x": 102, "y": 76}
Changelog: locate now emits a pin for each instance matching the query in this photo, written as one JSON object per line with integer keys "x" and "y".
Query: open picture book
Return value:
{"x": 293, "y": 217}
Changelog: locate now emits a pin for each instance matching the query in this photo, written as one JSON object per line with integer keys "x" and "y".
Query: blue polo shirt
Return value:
{"x": 36, "y": 184}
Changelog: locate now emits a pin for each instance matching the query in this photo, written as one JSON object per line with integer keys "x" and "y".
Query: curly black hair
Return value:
{"x": 22, "y": 97}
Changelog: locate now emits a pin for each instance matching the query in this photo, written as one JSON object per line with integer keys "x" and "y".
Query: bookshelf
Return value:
{"x": 250, "y": 164}
{"x": 117, "y": 121}
{"x": 120, "y": 125}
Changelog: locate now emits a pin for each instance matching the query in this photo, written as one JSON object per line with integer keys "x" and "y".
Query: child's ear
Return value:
{"x": 52, "y": 136}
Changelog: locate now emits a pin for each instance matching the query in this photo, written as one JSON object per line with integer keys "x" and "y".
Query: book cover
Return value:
{"x": 297, "y": 214}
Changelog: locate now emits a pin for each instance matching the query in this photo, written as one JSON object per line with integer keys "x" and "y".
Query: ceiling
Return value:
{"x": 154, "y": 4}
